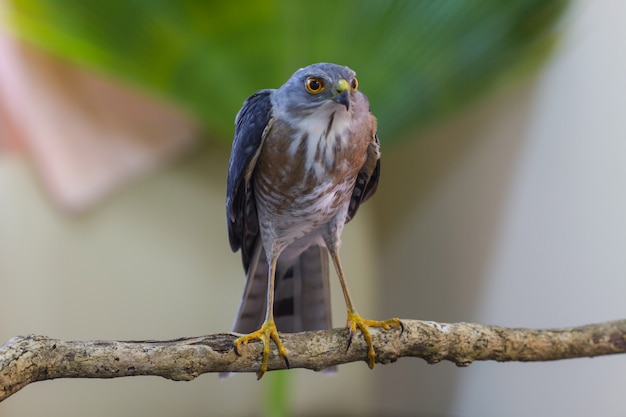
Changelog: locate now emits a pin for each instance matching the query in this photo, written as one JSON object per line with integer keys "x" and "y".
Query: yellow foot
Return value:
{"x": 264, "y": 334}
{"x": 354, "y": 321}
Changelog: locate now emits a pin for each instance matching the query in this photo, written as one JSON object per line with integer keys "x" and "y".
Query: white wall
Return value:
{"x": 560, "y": 257}
{"x": 521, "y": 222}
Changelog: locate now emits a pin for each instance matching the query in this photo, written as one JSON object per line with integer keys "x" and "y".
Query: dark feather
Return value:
{"x": 366, "y": 180}
{"x": 250, "y": 124}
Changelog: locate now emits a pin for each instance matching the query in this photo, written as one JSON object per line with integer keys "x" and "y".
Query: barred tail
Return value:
{"x": 302, "y": 292}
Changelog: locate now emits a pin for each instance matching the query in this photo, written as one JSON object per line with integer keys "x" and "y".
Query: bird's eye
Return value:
{"x": 314, "y": 85}
{"x": 354, "y": 84}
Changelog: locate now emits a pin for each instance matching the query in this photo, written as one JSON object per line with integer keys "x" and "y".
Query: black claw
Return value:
{"x": 287, "y": 362}
{"x": 349, "y": 340}
{"x": 236, "y": 350}
{"x": 401, "y": 327}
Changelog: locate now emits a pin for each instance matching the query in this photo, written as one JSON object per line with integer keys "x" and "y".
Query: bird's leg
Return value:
{"x": 355, "y": 320}
{"x": 268, "y": 330}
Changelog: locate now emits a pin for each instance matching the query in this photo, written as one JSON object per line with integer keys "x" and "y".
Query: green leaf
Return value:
{"x": 277, "y": 393}
{"x": 416, "y": 60}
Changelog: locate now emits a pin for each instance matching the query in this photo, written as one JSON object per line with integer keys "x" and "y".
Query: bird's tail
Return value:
{"x": 302, "y": 292}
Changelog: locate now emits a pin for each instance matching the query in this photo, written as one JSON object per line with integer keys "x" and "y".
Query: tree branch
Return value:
{"x": 27, "y": 359}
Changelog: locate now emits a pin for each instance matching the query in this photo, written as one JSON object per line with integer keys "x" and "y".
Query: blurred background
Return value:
{"x": 501, "y": 199}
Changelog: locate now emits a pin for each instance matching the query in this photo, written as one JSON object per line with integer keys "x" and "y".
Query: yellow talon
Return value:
{"x": 354, "y": 321}
{"x": 264, "y": 334}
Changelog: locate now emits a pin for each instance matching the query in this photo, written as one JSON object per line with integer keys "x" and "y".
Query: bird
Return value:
{"x": 304, "y": 158}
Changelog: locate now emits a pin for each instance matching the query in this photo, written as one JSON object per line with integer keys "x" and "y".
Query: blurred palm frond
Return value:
{"x": 417, "y": 60}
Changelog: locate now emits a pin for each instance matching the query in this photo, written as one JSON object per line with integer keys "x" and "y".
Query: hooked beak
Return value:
{"x": 343, "y": 93}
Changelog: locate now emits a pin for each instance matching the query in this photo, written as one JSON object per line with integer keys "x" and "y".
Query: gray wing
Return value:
{"x": 250, "y": 125}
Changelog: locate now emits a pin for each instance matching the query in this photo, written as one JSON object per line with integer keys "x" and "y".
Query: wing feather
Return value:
{"x": 367, "y": 179}
{"x": 251, "y": 125}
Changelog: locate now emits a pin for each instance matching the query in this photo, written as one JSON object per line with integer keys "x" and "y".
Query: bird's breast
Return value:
{"x": 309, "y": 170}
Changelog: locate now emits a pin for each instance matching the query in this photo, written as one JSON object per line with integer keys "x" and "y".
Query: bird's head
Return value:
{"x": 318, "y": 85}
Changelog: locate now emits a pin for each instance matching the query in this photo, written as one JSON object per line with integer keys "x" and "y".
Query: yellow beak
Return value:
{"x": 343, "y": 93}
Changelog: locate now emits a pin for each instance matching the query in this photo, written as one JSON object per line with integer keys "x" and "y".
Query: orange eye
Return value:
{"x": 354, "y": 84}
{"x": 314, "y": 85}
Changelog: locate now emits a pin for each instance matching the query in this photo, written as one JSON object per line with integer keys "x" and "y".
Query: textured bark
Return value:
{"x": 26, "y": 359}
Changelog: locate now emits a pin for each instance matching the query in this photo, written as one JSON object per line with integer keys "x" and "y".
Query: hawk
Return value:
{"x": 304, "y": 158}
